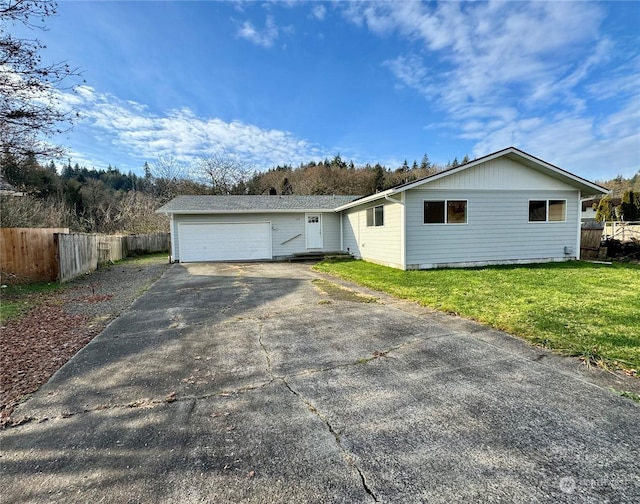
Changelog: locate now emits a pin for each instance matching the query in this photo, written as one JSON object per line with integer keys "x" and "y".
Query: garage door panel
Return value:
{"x": 225, "y": 241}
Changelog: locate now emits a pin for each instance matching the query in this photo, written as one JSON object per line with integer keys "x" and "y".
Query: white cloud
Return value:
{"x": 319, "y": 12}
{"x": 523, "y": 73}
{"x": 265, "y": 37}
{"x": 409, "y": 70}
{"x": 179, "y": 133}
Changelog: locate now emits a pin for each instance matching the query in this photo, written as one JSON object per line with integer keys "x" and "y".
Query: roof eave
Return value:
{"x": 366, "y": 199}
{"x": 244, "y": 211}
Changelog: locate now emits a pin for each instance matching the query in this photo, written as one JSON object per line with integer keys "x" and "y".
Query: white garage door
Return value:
{"x": 225, "y": 242}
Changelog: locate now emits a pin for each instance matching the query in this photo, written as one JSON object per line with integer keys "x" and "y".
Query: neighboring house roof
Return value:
{"x": 586, "y": 204}
{"x": 586, "y": 187}
{"x": 253, "y": 204}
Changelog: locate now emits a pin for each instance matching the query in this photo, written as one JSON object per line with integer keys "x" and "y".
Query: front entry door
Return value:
{"x": 314, "y": 231}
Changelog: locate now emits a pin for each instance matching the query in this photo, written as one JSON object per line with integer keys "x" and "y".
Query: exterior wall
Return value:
{"x": 497, "y": 229}
{"x": 499, "y": 174}
{"x": 379, "y": 244}
{"x": 286, "y": 227}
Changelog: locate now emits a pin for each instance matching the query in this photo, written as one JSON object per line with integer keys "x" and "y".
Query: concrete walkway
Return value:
{"x": 258, "y": 383}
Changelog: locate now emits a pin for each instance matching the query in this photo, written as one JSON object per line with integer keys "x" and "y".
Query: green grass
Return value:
{"x": 581, "y": 309}
{"x": 18, "y": 299}
{"x": 148, "y": 258}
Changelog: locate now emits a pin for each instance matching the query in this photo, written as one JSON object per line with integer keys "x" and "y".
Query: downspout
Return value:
{"x": 400, "y": 202}
{"x": 579, "y": 219}
{"x": 403, "y": 232}
{"x": 341, "y": 233}
{"x": 171, "y": 237}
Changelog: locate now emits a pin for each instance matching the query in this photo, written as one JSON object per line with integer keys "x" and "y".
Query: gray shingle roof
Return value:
{"x": 245, "y": 204}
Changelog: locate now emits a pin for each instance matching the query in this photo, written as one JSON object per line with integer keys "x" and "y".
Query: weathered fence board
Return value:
{"x": 590, "y": 238}
{"x": 29, "y": 254}
{"x": 78, "y": 254}
{"x": 82, "y": 253}
{"x": 148, "y": 243}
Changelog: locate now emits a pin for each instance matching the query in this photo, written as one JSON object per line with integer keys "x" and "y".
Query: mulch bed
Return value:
{"x": 34, "y": 346}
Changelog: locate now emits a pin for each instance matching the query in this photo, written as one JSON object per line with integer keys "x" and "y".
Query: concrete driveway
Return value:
{"x": 258, "y": 383}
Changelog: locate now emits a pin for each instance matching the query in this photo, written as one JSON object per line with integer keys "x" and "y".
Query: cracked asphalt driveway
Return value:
{"x": 251, "y": 383}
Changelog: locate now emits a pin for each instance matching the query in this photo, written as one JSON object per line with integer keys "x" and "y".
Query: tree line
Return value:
{"x": 109, "y": 200}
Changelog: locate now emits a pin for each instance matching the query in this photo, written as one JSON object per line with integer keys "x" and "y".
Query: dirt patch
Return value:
{"x": 34, "y": 346}
{"x": 335, "y": 291}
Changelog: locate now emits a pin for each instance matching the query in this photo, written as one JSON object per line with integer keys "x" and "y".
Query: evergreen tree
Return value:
{"x": 378, "y": 178}
{"x": 605, "y": 211}
{"x": 465, "y": 159}
{"x": 425, "y": 164}
{"x": 455, "y": 162}
{"x": 630, "y": 206}
{"x": 287, "y": 188}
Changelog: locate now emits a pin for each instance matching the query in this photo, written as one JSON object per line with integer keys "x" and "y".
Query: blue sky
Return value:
{"x": 288, "y": 82}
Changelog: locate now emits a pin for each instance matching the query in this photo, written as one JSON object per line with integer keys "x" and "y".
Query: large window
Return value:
{"x": 375, "y": 216}
{"x": 445, "y": 212}
{"x": 547, "y": 210}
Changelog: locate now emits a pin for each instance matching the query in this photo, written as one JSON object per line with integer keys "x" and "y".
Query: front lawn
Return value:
{"x": 578, "y": 308}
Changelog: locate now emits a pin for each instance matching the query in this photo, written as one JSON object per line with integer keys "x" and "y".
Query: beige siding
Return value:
{"x": 497, "y": 229}
{"x": 288, "y": 230}
{"x": 380, "y": 244}
{"x": 499, "y": 174}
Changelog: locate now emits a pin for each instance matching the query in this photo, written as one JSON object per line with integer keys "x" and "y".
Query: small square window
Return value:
{"x": 434, "y": 212}
{"x": 537, "y": 211}
{"x": 557, "y": 210}
{"x": 456, "y": 212}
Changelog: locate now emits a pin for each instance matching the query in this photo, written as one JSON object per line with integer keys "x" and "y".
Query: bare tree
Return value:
{"x": 136, "y": 214}
{"x": 29, "y": 211}
{"x": 167, "y": 172}
{"x": 222, "y": 172}
{"x": 29, "y": 104}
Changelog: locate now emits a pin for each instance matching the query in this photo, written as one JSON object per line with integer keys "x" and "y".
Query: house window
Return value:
{"x": 547, "y": 210}
{"x": 375, "y": 216}
{"x": 445, "y": 212}
{"x": 557, "y": 210}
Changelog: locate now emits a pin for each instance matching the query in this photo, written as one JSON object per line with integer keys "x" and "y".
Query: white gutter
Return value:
{"x": 244, "y": 211}
{"x": 366, "y": 199}
{"x": 579, "y": 219}
{"x": 400, "y": 202}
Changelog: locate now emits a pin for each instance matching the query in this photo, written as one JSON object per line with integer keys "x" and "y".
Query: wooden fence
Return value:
{"x": 81, "y": 253}
{"x": 148, "y": 243}
{"x": 32, "y": 255}
{"x": 29, "y": 254}
{"x": 590, "y": 238}
{"x": 623, "y": 231}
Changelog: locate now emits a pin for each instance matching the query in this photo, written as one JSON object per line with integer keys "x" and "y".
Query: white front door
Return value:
{"x": 314, "y": 231}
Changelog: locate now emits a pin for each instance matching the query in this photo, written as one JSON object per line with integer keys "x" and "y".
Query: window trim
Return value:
{"x": 374, "y": 214}
{"x": 546, "y": 209}
{"x": 446, "y": 212}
